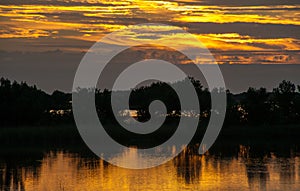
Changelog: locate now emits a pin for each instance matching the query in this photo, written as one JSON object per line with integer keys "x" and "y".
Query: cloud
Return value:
{"x": 238, "y": 2}
{"x": 251, "y": 29}
{"x": 227, "y": 25}
{"x": 257, "y": 57}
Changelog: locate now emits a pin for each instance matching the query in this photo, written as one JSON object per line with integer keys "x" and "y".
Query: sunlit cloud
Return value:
{"x": 257, "y": 57}
{"x": 89, "y": 20}
{"x": 235, "y": 41}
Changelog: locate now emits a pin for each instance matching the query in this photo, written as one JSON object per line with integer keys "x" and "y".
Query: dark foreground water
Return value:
{"x": 225, "y": 167}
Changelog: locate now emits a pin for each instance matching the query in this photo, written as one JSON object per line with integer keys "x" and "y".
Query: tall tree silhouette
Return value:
{"x": 284, "y": 96}
{"x": 256, "y": 105}
{"x": 21, "y": 104}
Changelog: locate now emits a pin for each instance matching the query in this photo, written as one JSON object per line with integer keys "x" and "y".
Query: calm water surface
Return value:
{"x": 241, "y": 167}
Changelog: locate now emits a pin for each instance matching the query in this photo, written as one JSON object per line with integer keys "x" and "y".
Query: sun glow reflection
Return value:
{"x": 66, "y": 171}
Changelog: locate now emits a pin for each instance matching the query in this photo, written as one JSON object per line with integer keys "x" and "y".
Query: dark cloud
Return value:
{"x": 52, "y": 2}
{"x": 252, "y": 29}
{"x": 191, "y": 2}
{"x": 43, "y": 44}
{"x": 239, "y": 2}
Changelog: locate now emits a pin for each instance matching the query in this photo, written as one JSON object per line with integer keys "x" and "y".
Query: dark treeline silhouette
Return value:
{"x": 257, "y": 106}
{"x": 21, "y": 104}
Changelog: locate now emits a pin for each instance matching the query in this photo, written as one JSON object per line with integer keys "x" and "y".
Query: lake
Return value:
{"x": 229, "y": 166}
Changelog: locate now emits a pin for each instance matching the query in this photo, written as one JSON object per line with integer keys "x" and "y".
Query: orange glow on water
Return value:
{"x": 65, "y": 171}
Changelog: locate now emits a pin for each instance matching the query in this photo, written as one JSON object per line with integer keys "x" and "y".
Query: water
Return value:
{"x": 240, "y": 167}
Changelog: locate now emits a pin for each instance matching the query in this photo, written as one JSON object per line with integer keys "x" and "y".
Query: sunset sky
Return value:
{"x": 236, "y": 32}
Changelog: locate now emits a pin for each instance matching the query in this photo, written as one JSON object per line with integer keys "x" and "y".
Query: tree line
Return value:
{"x": 21, "y": 104}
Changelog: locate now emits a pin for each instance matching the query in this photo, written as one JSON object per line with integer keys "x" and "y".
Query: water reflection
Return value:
{"x": 244, "y": 168}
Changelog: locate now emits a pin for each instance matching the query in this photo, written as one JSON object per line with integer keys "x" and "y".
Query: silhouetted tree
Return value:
{"x": 233, "y": 115}
{"x": 297, "y": 105}
{"x": 21, "y": 104}
{"x": 256, "y": 105}
{"x": 283, "y": 101}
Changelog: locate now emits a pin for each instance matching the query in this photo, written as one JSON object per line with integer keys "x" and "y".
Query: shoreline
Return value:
{"x": 68, "y": 134}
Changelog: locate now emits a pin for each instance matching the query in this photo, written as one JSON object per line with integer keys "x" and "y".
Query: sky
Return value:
{"x": 44, "y": 38}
